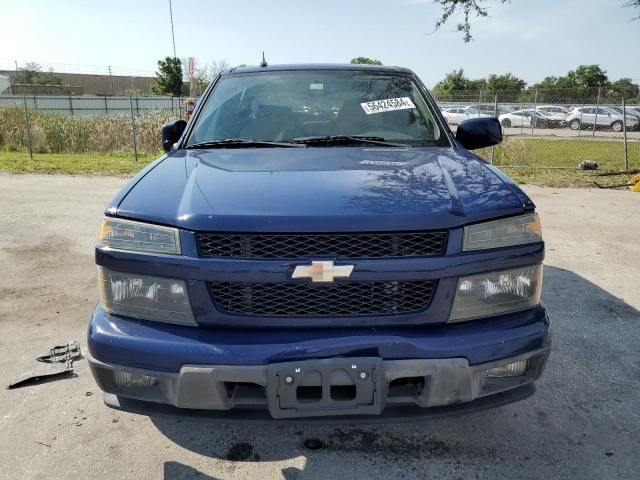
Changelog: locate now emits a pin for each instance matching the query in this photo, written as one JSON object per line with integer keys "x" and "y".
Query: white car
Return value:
{"x": 525, "y": 117}
{"x": 519, "y": 118}
{"x": 555, "y": 113}
{"x": 456, "y": 115}
{"x": 599, "y": 117}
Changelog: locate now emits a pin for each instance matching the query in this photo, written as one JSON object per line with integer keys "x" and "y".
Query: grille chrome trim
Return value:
{"x": 305, "y": 299}
{"x": 314, "y": 245}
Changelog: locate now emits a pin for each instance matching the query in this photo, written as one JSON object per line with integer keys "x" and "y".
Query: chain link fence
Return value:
{"x": 543, "y": 129}
{"x": 67, "y": 124}
{"x": 554, "y": 128}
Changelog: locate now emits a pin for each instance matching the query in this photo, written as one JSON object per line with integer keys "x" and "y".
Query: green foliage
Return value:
{"x": 467, "y": 8}
{"x": 365, "y": 61}
{"x": 582, "y": 85}
{"x": 507, "y": 81}
{"x": 456, "y": 81}
{"x": 32, "y": 74}
{"x": 477, "y": 8}
{"x": 625, "y": 88}
{"x": 169, "y": 77}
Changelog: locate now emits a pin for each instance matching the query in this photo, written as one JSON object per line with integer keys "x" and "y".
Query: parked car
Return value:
{"x": 455, "y": 115}
{"x": 524, "y": 118}
{"x": 602, "y": 117}
{"x": 628, "y": 111}
{"x": 555, "y": 114}
{"x": 273, "y": 265}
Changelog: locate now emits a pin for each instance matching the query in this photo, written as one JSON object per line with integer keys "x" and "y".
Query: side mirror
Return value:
{"x": 479, "y": 133}
{"x": 171, "y": 133}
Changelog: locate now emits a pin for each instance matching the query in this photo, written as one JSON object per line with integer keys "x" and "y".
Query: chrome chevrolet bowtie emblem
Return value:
{"x": 322, "y": 271}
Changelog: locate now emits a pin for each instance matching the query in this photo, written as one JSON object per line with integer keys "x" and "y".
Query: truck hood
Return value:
{"x": 319, "y": 189}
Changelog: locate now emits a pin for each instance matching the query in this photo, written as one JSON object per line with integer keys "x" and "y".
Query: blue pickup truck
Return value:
{"x": 317, "y": 244}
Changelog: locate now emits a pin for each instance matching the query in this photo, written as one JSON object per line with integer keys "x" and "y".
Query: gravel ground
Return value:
{"x": 584, "y": 421}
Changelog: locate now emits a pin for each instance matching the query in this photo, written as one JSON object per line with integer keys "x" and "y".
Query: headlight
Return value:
{"x": 144, "y": 237}
{"x": 145, "y": 296}
{"x": 503, "y": 233}
{"x": 495, "y": 293}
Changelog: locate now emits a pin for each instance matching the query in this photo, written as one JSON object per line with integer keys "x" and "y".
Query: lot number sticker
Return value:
{"x": 388, "y": 105}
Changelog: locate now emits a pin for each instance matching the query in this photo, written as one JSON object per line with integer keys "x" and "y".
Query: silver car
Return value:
{"x": 599, "y": 117}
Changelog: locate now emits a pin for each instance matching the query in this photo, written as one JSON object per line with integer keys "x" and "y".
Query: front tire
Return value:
{"x": 506, "y": 123}
{"x": 616, "y": 126}
{"x": 574, "y": 124}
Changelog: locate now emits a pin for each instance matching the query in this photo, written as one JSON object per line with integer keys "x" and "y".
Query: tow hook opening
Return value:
{"x": 309, "y": 393}
{"x": 343, "y": 392}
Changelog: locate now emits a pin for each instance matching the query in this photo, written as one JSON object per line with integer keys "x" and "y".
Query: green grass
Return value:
{"x": 536, "y": 160}
{"x": 526, "y": 160}
{"x": 74, "y": 163}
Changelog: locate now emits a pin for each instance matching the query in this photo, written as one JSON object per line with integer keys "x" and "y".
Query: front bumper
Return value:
{"x": 406, "y": 388}
{"x": 223, "y": 373}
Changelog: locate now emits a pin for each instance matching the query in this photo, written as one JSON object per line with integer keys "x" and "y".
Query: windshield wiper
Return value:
{"x": 342, "y": 139}
{"x": 241, "y": 143}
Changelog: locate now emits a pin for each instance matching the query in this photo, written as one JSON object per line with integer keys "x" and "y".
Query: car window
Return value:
{"x": 602, "y": 111}
{"x": 287, "y": 105}
{"x": 587, "y": 110}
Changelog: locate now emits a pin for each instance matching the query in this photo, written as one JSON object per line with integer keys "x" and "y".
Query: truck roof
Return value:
{"x": 315, "y": 66}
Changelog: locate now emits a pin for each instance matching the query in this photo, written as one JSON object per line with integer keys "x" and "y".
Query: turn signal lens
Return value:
{"x": 138, "y": 236}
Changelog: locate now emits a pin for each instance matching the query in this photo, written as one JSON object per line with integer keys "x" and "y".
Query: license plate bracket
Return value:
{"x": 335, "y": 386}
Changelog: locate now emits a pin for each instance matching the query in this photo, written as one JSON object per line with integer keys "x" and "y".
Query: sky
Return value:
{"x": 529, "y": 38}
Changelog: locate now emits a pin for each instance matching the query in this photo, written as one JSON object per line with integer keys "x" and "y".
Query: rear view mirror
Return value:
{"x": 171, "y": 133}
{"x": 479, "y": 133}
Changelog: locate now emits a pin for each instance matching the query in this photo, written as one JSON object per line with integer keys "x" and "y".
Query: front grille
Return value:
{"x": 344, "y": 245}
{"x": 307, "y": 299}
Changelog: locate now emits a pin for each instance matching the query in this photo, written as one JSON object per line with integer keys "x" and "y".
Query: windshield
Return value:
{"x": 294, "y": 105}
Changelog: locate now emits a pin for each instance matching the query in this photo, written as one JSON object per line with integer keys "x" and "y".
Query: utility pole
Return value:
{"x": 113, "y": 93}
{"x": 173, "y": 37}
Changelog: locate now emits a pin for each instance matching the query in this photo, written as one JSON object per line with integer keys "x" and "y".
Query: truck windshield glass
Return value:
{"x": 296, "y": 106}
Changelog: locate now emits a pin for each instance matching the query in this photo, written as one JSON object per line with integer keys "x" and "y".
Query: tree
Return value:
{"x": 588, "y": 76}
{"x": 168, "y": 77}
{"x": 452, "y": 82}
{"x": 507, "y": 81}
{"x": 365, "y": 61}
{"x": 478, "y": 8}
{"x": 208, "y": 72}
{"x": 625, "y": 88}
{"x": 32, "y": 74}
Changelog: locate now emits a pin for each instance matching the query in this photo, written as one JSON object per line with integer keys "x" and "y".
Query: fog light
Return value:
{"x": 122, "y": 378}
{"x": 513, "y": 369}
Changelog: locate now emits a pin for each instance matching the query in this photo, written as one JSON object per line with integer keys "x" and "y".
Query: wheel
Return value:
{"x": 574, "y": 124}
{"x": 506, "y": 123}
{"x": 616, "y": 126}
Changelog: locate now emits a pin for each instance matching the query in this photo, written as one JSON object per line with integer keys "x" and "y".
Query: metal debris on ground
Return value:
{"x": 58, "y": 361}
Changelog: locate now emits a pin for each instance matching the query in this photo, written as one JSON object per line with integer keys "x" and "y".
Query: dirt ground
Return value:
{"x": 584, "y": 421}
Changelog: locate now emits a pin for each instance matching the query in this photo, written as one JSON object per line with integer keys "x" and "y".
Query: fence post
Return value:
{"x": 26, "y": 120}
{"x": 133, "y": 130}
{"x": 624, "y": 128}
{"x": 106, "y": 105}
{"x": 595, "y": 122}
{"x": 535, "y": 107}
{"x": 137, "y": 107}
{"x": 35, "y": 101}
{"x": 495, "y": 114}
{"x": 71, "y": 105}
{"x": 581, "y": 110}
